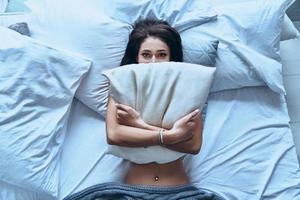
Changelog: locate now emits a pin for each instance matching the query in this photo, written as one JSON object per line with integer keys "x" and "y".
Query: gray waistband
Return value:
{"x": 110, "y": 190}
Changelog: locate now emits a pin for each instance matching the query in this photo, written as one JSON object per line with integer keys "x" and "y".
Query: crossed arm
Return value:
{"x": 124, "y": 127}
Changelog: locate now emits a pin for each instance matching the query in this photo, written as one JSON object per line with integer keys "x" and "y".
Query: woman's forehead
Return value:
{"x": 154, "y": 44}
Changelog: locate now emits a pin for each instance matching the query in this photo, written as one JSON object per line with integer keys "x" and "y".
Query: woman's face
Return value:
{"x": 153, "y": 50}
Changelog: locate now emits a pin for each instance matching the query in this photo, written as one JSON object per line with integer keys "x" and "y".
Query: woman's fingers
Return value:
{"x": 192, "y": 115}
{"x": 122, "y": 107}
{"x": 128, "y": 109}
{"x": 195, "y": 113}
{"x": 121, "y": 113}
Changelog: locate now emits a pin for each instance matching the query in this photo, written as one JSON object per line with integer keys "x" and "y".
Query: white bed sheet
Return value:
{"x": 12, "y": 192}
{"x": 248, "y": 150}
{"x": 247, "y": 153}
{"x": 242, "y": 157}
{"x": 84, "y": 162}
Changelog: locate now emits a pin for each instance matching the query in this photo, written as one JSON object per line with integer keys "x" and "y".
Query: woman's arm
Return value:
{"x": 192, "y": 145}
{"x": 128, "y": 116}
{"x": 123, "y": 135}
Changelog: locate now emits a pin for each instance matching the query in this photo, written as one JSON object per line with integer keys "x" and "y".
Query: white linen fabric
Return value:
{"x": 181, "y": 15}
{"x": 249, "y": 35}
{"x": 37, "y": 88}
{"x": 155, "y": 90}
{"x": 86, "y": 138}
{"x": 85, "y": 29}
{"x": 247, "y": 153}
{"x": 289, "y": 31}
{"x": 12, "y": 192}
{"x": 258, "y": 24}
{"x": 204, "y": 52}
{"x": 235, "y": 160}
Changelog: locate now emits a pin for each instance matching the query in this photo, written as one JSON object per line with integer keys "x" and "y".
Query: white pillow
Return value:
{"x": 180, "y": 14}
{"x": 81, "y": 26}
{"x": 203, "y": 52}
{"x": 258, "y": 24}
{"x": 37, "y": 87}
{"x": 169, "y": 83}
{"x": 247, "y": 52}
{"x": 289, "y": 31}
{"x": 83, "y": 29}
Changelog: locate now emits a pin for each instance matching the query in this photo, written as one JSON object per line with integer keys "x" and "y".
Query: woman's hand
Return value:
{"x": 183, "y": 129}
{"x": 128, "y": 116}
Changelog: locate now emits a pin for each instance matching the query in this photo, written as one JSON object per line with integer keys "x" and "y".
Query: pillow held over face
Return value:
{"x": 162, "y": 93}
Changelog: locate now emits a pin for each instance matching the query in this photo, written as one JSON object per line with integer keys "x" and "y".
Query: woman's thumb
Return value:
{"x": 194, "y": 113}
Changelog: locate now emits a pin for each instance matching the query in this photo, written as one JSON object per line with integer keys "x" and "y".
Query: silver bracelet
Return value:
{"x": 161, "y": 137}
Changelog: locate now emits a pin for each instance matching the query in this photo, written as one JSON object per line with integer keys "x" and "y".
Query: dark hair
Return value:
{"x": 152, "y": 28}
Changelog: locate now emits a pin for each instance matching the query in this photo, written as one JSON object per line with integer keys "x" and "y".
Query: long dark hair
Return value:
{"x": 152, "y": 28}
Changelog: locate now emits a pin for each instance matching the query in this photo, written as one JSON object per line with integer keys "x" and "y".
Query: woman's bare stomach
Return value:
{"x": 169, "y": 174}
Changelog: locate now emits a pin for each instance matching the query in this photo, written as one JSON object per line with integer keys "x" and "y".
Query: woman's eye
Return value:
{"x": 146, "y": 55}
{"x": 162, "y": 55}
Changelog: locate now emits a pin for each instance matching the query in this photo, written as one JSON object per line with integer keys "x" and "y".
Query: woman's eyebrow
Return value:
{"x": 160, "y": 50}
{"x": 147, "y": 50}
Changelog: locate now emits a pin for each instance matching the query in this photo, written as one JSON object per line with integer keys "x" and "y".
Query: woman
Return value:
{"x": 153, "y": 41}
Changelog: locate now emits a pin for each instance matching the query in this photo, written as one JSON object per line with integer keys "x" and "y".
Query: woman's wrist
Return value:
{"x": 169, "y": 137}
{"x": 141, "y": 124}
{"x": 149, "y": 127}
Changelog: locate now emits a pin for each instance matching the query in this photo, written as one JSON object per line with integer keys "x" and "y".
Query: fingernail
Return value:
{"x": 197, "y": 110}
{"x": 116, "y": 104}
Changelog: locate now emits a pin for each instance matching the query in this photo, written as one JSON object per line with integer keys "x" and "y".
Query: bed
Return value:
{"x": 248, "y": 150}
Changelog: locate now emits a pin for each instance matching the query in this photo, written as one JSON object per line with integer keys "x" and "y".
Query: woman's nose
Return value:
{"x": 153, "y": 59}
